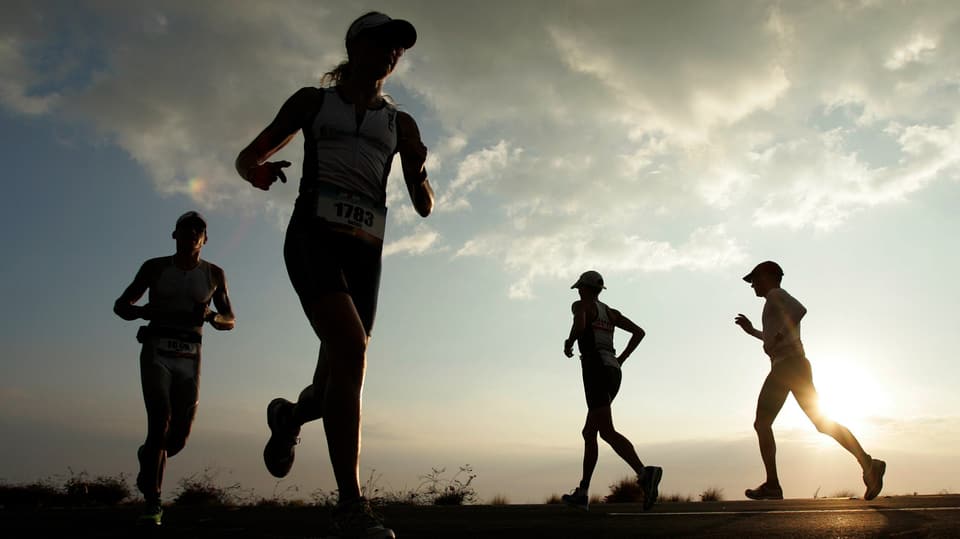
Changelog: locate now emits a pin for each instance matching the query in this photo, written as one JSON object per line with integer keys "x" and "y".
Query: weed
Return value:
{"x": 627, "y": 490}
{"x": 453, "y": 491}
{"x": 674, "y": 498}
{"x": 202, "y": 489}
{"x": 499, "y": 499}
{"x": 103, "y": 490}
{"x": 712, "y": 494}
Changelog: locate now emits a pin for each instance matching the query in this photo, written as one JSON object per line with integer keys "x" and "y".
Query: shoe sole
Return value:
{"x": 762, "y": 497}
{"x": 574, "y": 505}
{"x": 871, "y": 495}
{"x": 654, "y": 489}
{"x": 279, "y": 474}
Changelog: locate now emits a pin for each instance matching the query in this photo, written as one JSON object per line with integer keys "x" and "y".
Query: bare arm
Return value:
{"x": 124, "y": 306}
{"x": 636, "y": 335}
{"x": 223, "y": 318}
{"x": 577, "y": 328}
{"x": 747, "y": 326}
{"x": 252, "y": 164}
{"x": 413, "y": 155}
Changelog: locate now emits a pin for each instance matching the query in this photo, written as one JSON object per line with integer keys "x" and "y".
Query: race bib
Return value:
{"x": 175, "y": 347}
{"x": 352, "y": 213}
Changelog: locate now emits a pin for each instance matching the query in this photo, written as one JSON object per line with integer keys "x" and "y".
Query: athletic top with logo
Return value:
{"x": 597, "y": 341}
{"x": 353, "y": 156}
{"x": 781, "y": 325}
{"x": 180, "y": 297}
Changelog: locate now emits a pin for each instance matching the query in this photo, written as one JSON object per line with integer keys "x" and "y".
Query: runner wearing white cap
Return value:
{"x": 335, "y": 240}
{"x": 181, "y": 288}
{"x": 790, "y": 372}
{"x": 593, "y": 326}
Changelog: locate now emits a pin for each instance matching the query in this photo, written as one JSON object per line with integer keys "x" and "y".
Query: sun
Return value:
{"x": 849, "y": 394}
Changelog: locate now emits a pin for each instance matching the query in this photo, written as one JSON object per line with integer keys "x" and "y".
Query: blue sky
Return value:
{"x": 669, "y": 147}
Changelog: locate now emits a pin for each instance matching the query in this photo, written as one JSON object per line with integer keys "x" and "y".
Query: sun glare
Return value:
{"x": 848, "y": 393}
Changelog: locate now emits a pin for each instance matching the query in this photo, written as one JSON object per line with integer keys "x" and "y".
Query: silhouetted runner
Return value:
{"x": 335, "y": 239}
{"x": 181, "y": 287}
{"x": 790, "y": 372}
{"x": 592, "y": 329}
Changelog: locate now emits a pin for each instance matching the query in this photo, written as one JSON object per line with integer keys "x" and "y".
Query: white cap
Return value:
{"x": 591, "y": 279}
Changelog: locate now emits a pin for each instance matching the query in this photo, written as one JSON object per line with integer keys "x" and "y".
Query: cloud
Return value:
{"x": 420, "y": 241}
{"x": 578, "y": 123}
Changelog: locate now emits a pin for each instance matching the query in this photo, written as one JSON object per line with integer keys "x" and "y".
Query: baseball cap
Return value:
{"x": 768, "y": 267}
{"x": 399, "y": 31}
{"x": 589, "y": 278}
{"x": 191, "y": 215}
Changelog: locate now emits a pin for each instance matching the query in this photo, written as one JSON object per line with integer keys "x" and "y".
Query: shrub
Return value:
{"x": 202, "y": 489}
{"x": 844, "y": 493}
{"x": 104, "y": 490}
{"x": 453, "y": 491}
{"x": 627, "y": 490}
{"x": 553, "y": 499}
{"x": 36, "y": 494}
{"x": 281, "y": 498}
{"x": 712, "y": 494}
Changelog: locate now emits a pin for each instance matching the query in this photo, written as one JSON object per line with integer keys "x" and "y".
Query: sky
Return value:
{"x": 670, "y": 146}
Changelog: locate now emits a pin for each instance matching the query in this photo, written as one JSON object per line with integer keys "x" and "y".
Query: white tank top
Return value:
{"x": 355, "y": 157}
{"x": 602, "y": 329}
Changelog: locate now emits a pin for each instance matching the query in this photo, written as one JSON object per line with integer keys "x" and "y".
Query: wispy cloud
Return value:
{"x": 579, "y": 132}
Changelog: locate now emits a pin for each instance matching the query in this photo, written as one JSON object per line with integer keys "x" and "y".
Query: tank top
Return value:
{"x": 182, "y": 292}
{"x": 339, "y": 151}
{"x": 597, "y": 340}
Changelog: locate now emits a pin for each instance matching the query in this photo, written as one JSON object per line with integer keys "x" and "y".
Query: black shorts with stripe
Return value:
{"x": 321, "y": 260}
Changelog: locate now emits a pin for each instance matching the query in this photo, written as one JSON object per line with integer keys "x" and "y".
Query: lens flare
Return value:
{"x": 197, "y": 187}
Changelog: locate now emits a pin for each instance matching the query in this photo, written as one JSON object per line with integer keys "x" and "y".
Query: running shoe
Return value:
{"x": 577, "y": 498}
{"x": 356, "y": 520}
{"x": 873, "y": 478}
{"x": 764, "y": 492}
{"x": 278, "y": 454}
{"x": 650, "y": 482}
{"x": 152, "y": 515}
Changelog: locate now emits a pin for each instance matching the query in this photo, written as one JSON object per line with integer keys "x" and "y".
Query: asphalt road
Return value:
{"x": 900, "y": 517}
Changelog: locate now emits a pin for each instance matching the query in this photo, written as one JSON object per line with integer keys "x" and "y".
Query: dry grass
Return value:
{"x": 499, "y": 499}
{"x": 674, "y": 498}
{"x": 712, "y": 494}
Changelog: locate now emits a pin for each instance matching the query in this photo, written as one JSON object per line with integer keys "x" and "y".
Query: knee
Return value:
{"x": 763, "y": 426}
{"x": 158, "y": 430}
{"x": 176, "y": 443}
{"x": 608, "y": 433}
{"x": 348, "y": 359}
{"x": 589, "y": 434}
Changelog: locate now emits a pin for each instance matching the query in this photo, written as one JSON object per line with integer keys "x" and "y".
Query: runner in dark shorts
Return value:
{"x": 352, "y": 132}
{"x": 180, "y": 289}
{"x": 790, "y": 372}
{"x": 592, "y": 330}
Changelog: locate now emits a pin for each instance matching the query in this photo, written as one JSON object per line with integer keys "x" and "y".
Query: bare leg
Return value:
{"x": 769, "y": 403}
{"x": 590, "y": 452}
{"x": 336, "y": 322}
{"x": 809, "y": 402}
{"x": 620, "y": 444}
{"x": 155, "y": 381}
{"x": 184, "y": 398}
{"x": 309, "y": 405}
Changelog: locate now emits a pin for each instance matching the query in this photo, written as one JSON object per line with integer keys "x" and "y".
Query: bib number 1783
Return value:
{"x": 354, "y": 213}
